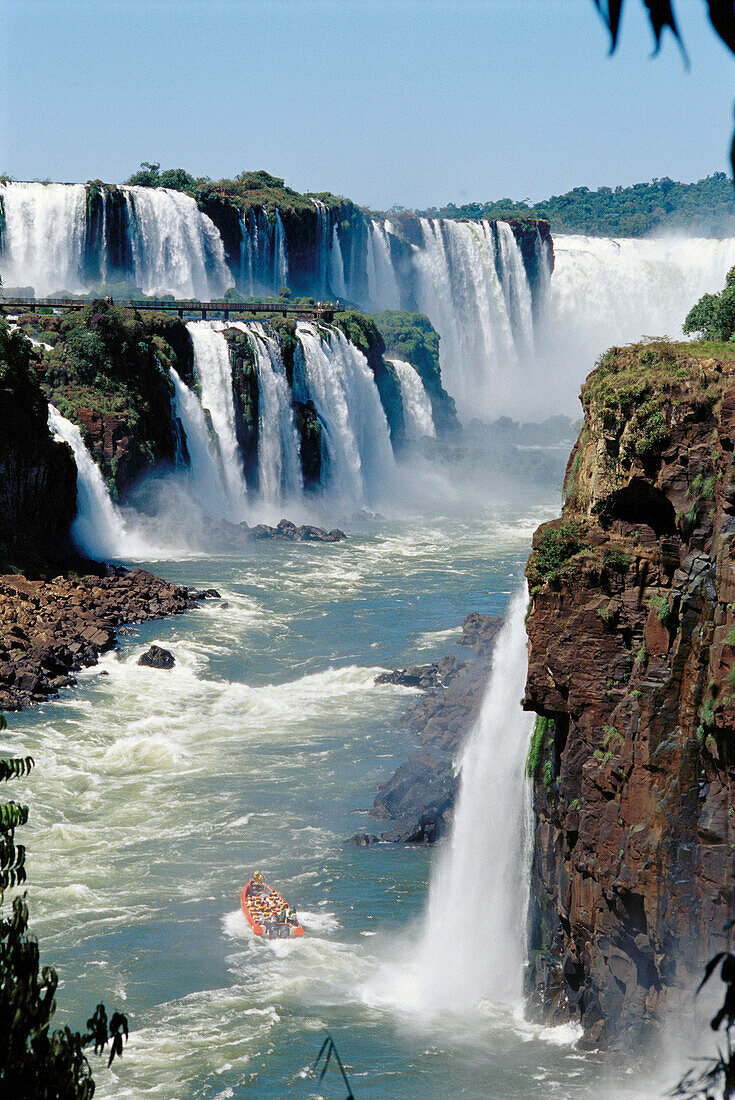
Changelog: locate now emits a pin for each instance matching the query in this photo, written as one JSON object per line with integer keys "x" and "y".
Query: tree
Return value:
{"x": 713, "y": 316}
{"x": 661, "y": 15}
{"x": 36, "y": 1063}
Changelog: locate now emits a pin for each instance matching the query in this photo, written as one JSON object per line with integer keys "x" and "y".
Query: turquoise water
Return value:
{"x": 157, "y": 793}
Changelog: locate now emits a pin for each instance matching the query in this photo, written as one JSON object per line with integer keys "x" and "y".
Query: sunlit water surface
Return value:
{"x": 156, "y": 793}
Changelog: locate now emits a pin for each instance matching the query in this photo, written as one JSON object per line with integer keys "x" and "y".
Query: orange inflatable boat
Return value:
{"x": 263, "y": 907}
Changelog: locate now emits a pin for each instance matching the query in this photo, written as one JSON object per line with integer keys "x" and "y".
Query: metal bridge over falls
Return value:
{"x": 321, "y": 311}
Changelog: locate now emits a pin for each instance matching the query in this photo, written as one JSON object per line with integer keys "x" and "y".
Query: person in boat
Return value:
{"x": 283, "y": 914}
{"x": 258, "y": 883}
{"x": 291, "y": 917}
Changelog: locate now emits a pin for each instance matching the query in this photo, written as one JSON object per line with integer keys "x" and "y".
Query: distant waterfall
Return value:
{"x": 514, "y": 281}
{"x": 474, "y": 942}
{"x": 263, "y": 254}
{"x": 42, "y": 242}
{"x": 164, "y": 243}
{"x": 281, "y": 254}
{"x": 383, "y": 289}
{"x": 323, "y": 242}
{"x": 176, "y": 249}
{"x": 214, "y": 374}
{"x": 339, "y": 381}
{"x": 99, "y": 529}
{"x": 205, "y": 471}
{"x": 337, "y": 267}
{"x": 279, "y": 461}
{"x": 458, "y": 287}
{"x": 417, "y": 413}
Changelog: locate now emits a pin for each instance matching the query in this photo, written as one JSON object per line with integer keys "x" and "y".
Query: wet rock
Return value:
{"x": 363, "y": 840}
{"x": 50, "y": 629}
{"x": 157, "y": 657}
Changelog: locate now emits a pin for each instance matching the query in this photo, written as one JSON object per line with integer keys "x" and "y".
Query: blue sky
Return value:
{"x": 386, "y": 101}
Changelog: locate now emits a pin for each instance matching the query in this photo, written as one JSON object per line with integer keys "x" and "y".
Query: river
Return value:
{"x": 156, "y": 793}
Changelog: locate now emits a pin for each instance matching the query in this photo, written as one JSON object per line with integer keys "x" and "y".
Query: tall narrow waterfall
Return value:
{"x": 281, "y": 254}
{"x": 42, "y": 241}
{"x": 473, "y": 945}
{"x": 323, "y": 242}
{"x": 459, "y": 289}
{"x": 383, "y": 289}
{"x": 337, "y": 283}
{"x": 214, "y": 374}
{"x": 513, "y": 278}
{"x": 279, "y": 462}
{"x": 417, "y": 414}
{"x": 99, "y": 529}
{"x": 205, "y": 472}
{"x": 360, "y": 458}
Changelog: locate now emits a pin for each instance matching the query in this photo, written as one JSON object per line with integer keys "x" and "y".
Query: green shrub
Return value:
{"x": 554, "y": 545}
{"x": 542, "y": 729}
{"x": 659, "y": 602}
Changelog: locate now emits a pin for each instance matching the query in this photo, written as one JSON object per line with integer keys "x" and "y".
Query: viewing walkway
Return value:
{"x": 321, "y": 311}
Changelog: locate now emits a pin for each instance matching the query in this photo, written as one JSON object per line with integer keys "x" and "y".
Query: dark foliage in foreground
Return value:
{"x": 35, "y": 1062}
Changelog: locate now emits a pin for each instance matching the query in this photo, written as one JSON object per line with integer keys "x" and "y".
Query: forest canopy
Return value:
{"x": 706, "y": 207}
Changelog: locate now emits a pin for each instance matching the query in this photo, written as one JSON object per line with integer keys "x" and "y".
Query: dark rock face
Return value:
{"x": 157, "y": 657}
{"x": 38, "y": 476}
{"x": 50, "y": 629}
{"x": 632, "y": 650}
{"x": 420, "y": 795}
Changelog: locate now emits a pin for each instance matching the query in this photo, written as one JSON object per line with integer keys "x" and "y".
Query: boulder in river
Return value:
{"x": 157, "y": 657}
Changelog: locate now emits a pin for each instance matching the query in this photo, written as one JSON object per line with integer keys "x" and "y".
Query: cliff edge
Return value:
{"x": 631, "y": 628}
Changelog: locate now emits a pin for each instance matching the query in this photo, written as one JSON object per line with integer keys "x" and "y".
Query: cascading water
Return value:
{"x": 417, "y": 414}
{"x": 99, "y": 529}
{"x": 473, "y": 946}
{"x": 459, "y": 289}
{"x": 281, "y": 254}
{"x": 514, "y": 281}
{"x": 341, "y": 385}
{"x": 323, "y": 242}
{"x": 279, "y": 462}
{"x": 176, "y": 249}
{"x": 170, "y": 246}
{"x": 214, "y": 374}
{"x": 383, "y": 289}
{"x": 337, "y": 267}
{"x": 42, "y": 241}
{"x": 205, "y": 472}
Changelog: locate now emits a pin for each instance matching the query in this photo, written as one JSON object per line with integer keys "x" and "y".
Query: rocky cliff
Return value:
{"x": 632, "y": 673}
{"x": 37, "y": 475}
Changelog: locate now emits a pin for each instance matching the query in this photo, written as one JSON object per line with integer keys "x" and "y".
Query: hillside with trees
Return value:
{"x": 706, "y": 207}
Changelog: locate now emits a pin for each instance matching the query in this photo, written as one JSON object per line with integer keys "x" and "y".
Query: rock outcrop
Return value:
{"x": 419, "y": 797}
{"x": 632, "y": 674}
{"x": 38, "y": 477}
{"x": 50, "y": 629}
{"x": 157, "y": 657}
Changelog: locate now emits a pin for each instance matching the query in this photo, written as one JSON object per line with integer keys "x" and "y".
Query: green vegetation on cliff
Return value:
{"x": 412, "y": 337}
{"x": 713, "y": 316}
{"x": 105, "y": 369}
{"x": 706, "y": 207}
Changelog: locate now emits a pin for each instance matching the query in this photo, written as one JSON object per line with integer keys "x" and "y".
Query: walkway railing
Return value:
{"x": 323, "y": 311}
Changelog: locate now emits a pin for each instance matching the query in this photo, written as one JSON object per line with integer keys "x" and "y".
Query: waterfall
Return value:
{"x": 281, "y": 255}
{"x": 205, "y": 471}
{"x": 473, "y": 945}
{"x": 383, "y": 289}
{"x": 279, "y": 461}
{"x": 214, "y": 374}
{"x": 459, "y": 289}
{"x": 176, "y": 248}
{"x": 337, "y": 267}
{"x": 417, "y": 413}
{"x": 42, "y": 242}
{"x": 321, "y": 260}
{"x": 99, "y": 529}
{"x": 516, "y": 288}
{"x": 342, "y": 387}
